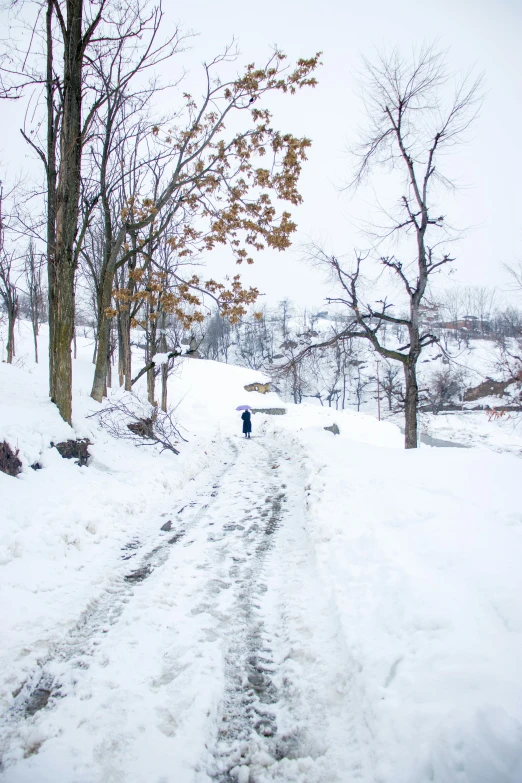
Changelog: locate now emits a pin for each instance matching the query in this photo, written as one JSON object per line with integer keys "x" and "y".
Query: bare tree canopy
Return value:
{"x": 410, "y": 123}
{"x": 415, "y": 109}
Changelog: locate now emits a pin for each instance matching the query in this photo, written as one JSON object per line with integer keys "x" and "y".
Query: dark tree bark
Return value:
{"x": 99, "y": 389}
{"x": 411, "y": 405}
{"x": 9, "y": 295}
{"x": 65, "y": 199}
{"x": 8, "y": 289}
{"x": 53, "y": 119}
{"x": 33, "y": 277}
{"x": 62, "y": 262}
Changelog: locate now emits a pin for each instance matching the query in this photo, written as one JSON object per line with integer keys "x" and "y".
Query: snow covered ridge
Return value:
{"x": 321, "y": 608}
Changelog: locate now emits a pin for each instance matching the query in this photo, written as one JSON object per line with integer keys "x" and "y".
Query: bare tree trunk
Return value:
{"x": 62, "y": 263}
{"x": 121, "y": 361}
{"x": 61, "y": 304}
{"x": 164, "y": 386}
{"x": 35, "y": 338}
{"x": 34, "y": 290}
{"x": 164, "y": 367}
{"x": 151, "y": 373}
{"x": 52, "y": 175}
{"x": 9, "y": 295}
{"x": 99, "y": 384}
{"x": 126, "y": 321}
{"x": 151, "y": 386}
{"x": 11, "y": 320}
{"x": 411, "y": 405}
{"x": 109, "y": 367}
{"x": 35, "y": 321}
{"x": 127, "y": 355}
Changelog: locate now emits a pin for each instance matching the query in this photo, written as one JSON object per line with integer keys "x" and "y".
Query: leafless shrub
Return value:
{"x": 130, "y": 418}
{"x": 445, "y": 385}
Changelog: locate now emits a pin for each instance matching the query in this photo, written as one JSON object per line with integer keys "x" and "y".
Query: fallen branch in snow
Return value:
{"x": 129, "y": 418}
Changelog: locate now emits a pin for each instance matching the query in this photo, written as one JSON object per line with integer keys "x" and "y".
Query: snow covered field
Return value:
{"x": 320, "y": 609}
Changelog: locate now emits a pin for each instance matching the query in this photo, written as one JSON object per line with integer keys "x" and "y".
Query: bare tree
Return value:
{"x": 390, "y": 383}
{"x": 409, "y": 127}
{"x": 444, "y": 386}
{"x": 515, "y": 275}
{"x": 35, "y": 295}
{"x": 9, "y": 294}
{"x": 217, "y": 339}
{"x": 74, "y": 35}
{"x": 8, "y": 284}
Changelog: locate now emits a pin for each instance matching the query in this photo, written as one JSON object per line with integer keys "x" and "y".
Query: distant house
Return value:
{"x": 471, "y": 322}
{"x": 468, "y": 323}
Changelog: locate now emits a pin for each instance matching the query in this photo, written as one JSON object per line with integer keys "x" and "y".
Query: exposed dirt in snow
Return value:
{"x": 214, "y": 655}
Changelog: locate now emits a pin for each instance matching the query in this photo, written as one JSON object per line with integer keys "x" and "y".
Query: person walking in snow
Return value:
{"x": 247, "y": 423}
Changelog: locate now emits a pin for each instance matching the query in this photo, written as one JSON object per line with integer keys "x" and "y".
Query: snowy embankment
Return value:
{"x": 64, "y": 525}
{"x": 377, "y": 590}
{"x": 421, "y": 552}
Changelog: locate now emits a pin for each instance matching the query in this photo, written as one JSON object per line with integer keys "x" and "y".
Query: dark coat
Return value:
{"x": 247, "y": 422}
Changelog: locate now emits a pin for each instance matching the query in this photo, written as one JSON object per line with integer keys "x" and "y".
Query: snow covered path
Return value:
{"x": 215, "y": 653}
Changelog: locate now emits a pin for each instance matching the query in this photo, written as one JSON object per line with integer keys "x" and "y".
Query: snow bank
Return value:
{"x": 63, "y": 527}
{"x": 421, "y": 551}
{"x": 209, "y": 393}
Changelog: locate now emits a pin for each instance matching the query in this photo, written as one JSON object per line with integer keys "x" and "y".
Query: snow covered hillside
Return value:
{"x": 350, "y": 375}
{"x": 302, "y": 607}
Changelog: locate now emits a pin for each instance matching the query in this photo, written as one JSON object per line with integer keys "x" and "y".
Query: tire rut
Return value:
{"x": 248, "y": 722}
{"x": 43, "y": 687}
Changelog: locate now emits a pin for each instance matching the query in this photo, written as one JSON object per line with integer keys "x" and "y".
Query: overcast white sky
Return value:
{"x": 482, "y": 34}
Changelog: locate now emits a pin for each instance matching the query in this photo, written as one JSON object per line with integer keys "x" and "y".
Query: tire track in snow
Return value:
{"x": 281, "y": 635}
{"x": 250, "y": 690}
{"x": 240, "y": 613}
{"x": 43, "y": 688}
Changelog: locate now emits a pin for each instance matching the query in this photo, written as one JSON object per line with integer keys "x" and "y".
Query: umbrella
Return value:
{"x": 243, "y": 408}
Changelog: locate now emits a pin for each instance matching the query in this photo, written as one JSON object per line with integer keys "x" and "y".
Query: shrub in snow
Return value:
{"x": 443, "y": 389}
{"x": 9, "y": 462}
{"x": 74, "y": 449}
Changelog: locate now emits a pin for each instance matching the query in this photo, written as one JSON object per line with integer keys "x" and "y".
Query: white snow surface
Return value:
{"x": 322, "y": 609}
